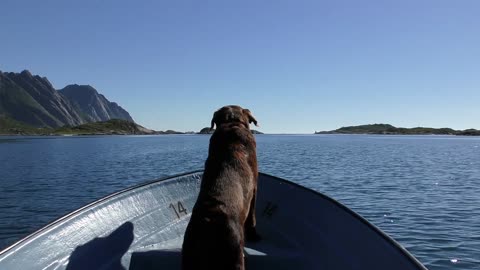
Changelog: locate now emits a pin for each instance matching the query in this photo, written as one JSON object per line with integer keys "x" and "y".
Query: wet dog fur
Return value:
{"x": 224, "y": 215}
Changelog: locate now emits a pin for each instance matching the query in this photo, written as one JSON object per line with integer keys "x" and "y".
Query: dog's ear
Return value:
{"x": 251, "y": 119}
{"x": 214, "y": 120}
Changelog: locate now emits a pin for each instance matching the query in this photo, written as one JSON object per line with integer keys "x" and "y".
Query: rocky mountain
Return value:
{"x": 32, "y": 100}
{"x": 93, "y": 106}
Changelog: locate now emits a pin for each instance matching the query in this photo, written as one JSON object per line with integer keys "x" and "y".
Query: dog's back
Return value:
{"x": 231, "y": 168}
{"x": 215, "y": 236}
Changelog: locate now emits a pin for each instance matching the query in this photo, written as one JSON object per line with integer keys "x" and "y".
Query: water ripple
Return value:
{"x": 422, "y": 191}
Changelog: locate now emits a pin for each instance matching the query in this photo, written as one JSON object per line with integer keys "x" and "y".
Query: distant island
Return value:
{"x": 386, "y": 129}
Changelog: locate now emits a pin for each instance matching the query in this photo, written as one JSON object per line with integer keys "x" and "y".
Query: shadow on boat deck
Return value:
{"x": 101, "y": 252}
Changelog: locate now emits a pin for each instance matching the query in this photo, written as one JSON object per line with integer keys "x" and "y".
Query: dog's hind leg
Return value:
{"x": 251, "y": 234}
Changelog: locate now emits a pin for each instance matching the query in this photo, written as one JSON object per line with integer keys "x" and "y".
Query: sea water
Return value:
{"x": 424, "y": 191}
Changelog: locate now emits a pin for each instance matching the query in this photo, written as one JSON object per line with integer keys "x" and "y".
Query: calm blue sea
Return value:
{"x": 424, "y": 191}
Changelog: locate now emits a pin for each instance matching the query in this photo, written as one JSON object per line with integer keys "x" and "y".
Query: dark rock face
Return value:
{"x": 58, "y": 108}
{"x": 206, "y": 130}
{"x": 94, "y": 106}
{"x": 33, "y": 100}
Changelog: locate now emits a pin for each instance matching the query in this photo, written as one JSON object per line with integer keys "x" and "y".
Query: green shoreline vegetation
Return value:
{"x": 110, "y": 127}
{"x": 9, "y": 126}
{"x": 386, "y": 129}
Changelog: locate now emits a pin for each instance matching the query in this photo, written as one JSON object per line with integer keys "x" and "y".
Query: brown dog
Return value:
{"x": 224, "y": 214}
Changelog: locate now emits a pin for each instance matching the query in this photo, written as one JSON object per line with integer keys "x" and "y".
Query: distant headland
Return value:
{"x": 386, "y": 129}
{"x": 29, "y": 105}
{"x": 111, "y": 127}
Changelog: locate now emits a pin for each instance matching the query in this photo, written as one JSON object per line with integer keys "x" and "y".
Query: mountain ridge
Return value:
{"x": 32, "y": 100}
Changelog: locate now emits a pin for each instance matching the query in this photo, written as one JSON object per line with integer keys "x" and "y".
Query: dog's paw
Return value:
{"x": 251, "y": 235}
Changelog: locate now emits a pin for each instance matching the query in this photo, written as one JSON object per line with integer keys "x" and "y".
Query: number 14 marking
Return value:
{"x": 179, "y": 209}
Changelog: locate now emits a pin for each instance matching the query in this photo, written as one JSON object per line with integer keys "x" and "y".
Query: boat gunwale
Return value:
{"x": 88, "y": 205}
{"x": 355, "y": 215}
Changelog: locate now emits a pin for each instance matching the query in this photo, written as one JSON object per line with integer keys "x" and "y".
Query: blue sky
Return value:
{"x": 299, "y": 66}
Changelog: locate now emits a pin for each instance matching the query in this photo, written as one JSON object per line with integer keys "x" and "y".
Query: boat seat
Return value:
{"x": 267, "y": 258}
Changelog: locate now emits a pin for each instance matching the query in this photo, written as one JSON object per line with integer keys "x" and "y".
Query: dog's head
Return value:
{"x": 232, "y": 114}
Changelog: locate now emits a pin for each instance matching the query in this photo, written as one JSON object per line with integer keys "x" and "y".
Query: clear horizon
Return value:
{"x": 299, "y": 66}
